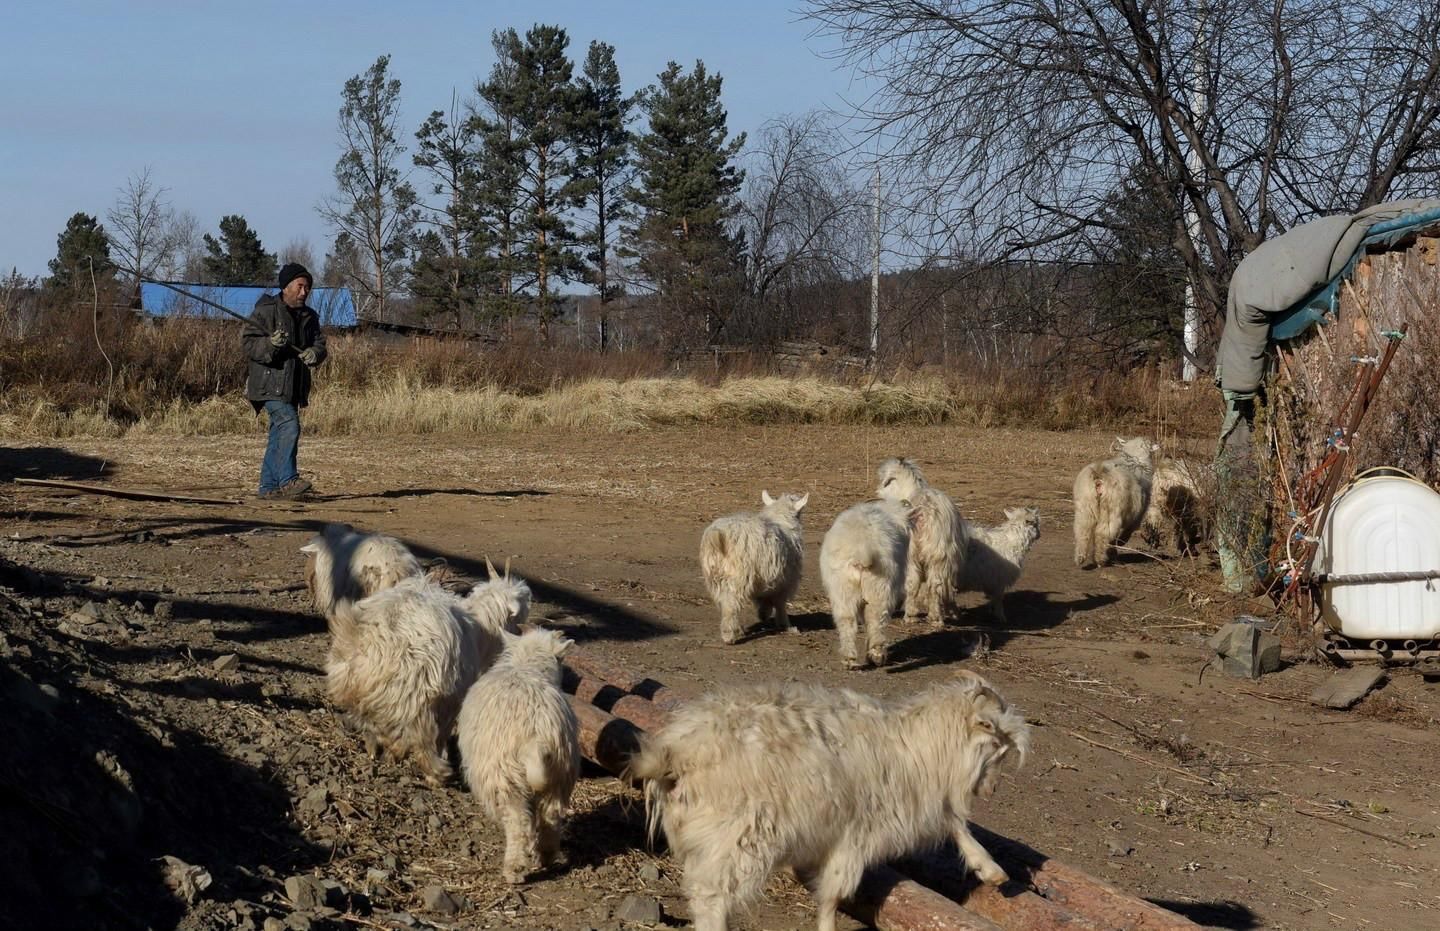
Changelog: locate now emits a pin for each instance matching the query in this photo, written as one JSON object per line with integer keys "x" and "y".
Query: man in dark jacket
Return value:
{"x": 283, "y": 343}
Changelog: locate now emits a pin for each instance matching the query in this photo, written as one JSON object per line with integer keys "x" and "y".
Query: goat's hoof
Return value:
{"x": 854, "y": 665}
{"x": 992, "y": 874}
{"x": 879, "y": 657}
{"x": 515, "y": 876}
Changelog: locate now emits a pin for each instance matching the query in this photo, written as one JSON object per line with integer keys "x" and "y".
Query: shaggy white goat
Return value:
{"x": 862, "y": 566}
{"x": 520, "y": 749}
{"x": 1175, "y": 517}
{"x": 938, "y": 544}
{"x": 344, "y": 565}
{"x": 753, "y": 561}
{"x": 400, "y": 662}
{"x": 751, "y": 780}
{"x": 997, "y": 555}
{"x": 1110, "y": 500}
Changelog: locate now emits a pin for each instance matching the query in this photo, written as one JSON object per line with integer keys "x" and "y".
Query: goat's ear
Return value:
{"x": 801, "y": 502}
{"x": 1013, "y": 513}
{"x": 311, "y": 548}
{"x": 563, "y": 645}
{"x": 765, "y": 497}
{"x": 984, "y": 723}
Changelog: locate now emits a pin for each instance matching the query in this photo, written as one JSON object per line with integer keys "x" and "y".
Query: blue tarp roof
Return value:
{"x": 336, "y": 306}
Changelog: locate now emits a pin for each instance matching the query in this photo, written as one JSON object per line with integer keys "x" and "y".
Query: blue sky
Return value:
{"x": 233, "y": 106}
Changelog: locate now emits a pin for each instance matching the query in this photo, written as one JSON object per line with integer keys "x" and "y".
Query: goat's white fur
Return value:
{"x": 862, "y": 567}
{"x": 1175, "y": 517}
{"x": 938, "y": 543}
{"x": 345, "y": 565}
{"x": 997, "y": 556}
{"x": 520, "y": 749}
{"x": 752, "y": 561}
{"x": 1110, "y": 500}
{"x": 750, "y": 780}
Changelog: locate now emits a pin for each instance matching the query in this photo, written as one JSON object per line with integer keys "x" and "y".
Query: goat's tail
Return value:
{"x": 651, "y": 764}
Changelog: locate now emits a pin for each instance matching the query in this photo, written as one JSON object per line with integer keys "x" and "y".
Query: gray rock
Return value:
{"x": 438, "y": 900}
{"x": 639, "y": 909}
{"x": 1246, "y": 651}
{"x": 274, "y": 924}
{"x": 305, "y": 892}
{"x": 298, "y": 921}
{"x": 649, "y": 873}
{"x": 185, "y": 880}
{"x": 164, "y": 610}
{"x": 1119, "y": 848}
{"x": 227, "y": 663}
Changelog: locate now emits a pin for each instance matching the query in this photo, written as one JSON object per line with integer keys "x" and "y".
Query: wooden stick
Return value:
{"x": 1356, "y": 828}
{"x": 1140, "y": 759}
{"x": 124, "y": 492}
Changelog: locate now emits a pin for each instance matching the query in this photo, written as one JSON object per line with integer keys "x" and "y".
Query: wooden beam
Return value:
{"x": 124, "y": 492}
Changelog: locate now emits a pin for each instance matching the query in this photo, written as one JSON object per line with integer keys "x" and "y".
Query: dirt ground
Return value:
{"x": 134, "y": 735}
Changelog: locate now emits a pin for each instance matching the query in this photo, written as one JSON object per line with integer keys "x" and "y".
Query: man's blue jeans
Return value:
{"x": 280, "y": 452}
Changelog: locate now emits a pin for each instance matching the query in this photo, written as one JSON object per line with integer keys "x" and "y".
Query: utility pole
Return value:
{"x": 1190, "y": 334}
{"x": 875, "y": 275}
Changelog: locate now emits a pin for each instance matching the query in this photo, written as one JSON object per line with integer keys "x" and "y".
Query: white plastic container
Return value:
{"x": 1385, "y": 522}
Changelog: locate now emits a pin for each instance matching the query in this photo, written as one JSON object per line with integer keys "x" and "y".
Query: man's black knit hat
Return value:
{"x": 293, "y": 270}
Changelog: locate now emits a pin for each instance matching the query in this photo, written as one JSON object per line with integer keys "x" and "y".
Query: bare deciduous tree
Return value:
{"x": 140, "y": 226}
{"x": 1014, "y": 122}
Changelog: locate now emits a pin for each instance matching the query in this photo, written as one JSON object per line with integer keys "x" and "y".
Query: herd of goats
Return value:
{"x": 746, "y": 780}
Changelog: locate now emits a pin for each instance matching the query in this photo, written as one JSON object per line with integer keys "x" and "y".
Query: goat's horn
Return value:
{"x": 507, "y": 567}
{"x": 490, "y": 568}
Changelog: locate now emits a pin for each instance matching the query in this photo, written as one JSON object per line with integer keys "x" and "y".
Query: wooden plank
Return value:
{"x": 1346, "y": 687}
{"x": 124, "y": 492}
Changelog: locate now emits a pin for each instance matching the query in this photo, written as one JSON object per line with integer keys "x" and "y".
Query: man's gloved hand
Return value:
{"x": 308, "y": 356}
{"x": 279, "y": 338}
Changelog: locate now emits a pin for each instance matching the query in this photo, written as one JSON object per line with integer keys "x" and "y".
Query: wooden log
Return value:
{"x": 1078, "y": 891}
{"x": 124, "y": 492}
{"x": 604, "y": 738}
{"x": 1010, "y": 906}
{"x": 891, "y": 902}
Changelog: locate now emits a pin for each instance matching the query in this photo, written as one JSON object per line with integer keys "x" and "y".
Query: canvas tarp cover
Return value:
{"x": 1292, "y": 281}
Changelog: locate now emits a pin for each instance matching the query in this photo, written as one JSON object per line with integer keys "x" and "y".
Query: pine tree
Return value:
{"x": 602, "y": 160}
{"x": 238, "y": 257}
{"x": 498, "y": 172}
{"x": 83, "y": 244}
{"x": 446, "y": 272}
{"x": 685, "y": 198}
{"x": 375, "y": 205}
{"x": 545, "y": 101}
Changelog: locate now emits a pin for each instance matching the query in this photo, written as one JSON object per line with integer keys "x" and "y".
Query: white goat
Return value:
{"x": 1110, "y": 500}
{"x": 997, "y": 555}
{"x": 400, "y": 662}
{"x": 751, "y": 780}
{"x": 753, "y": 561}
{"x": 862, "y": 566}
{"x": 938, "y": 544}
{"x": 1175, "y": 516}
{"x": 344, "y": 565}
{"x": 520, "y": 749}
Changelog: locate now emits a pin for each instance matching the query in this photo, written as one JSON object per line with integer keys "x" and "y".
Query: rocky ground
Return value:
{"x": 167, "y": 759}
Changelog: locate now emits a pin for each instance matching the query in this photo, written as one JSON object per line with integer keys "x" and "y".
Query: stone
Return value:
{"x": 164, "y": 610}
{"x": 438, "y": 900}
{"x": 185, "y": 880}
{"x": 639, "y": 909}
{"x": 1345, "y": 688}
{"x": 649, "y": 873}
{"x": 1246, "y": 651}
{"x": 227, "y": 663}
{"x": 305, "y": 892}
{"x": 298, "y": 921}
{"x": 274, "y": 924}
{"x": 315, "y": 802}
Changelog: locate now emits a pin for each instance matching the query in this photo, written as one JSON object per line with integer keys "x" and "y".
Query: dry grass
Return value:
{"x": 183, "y": 378}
